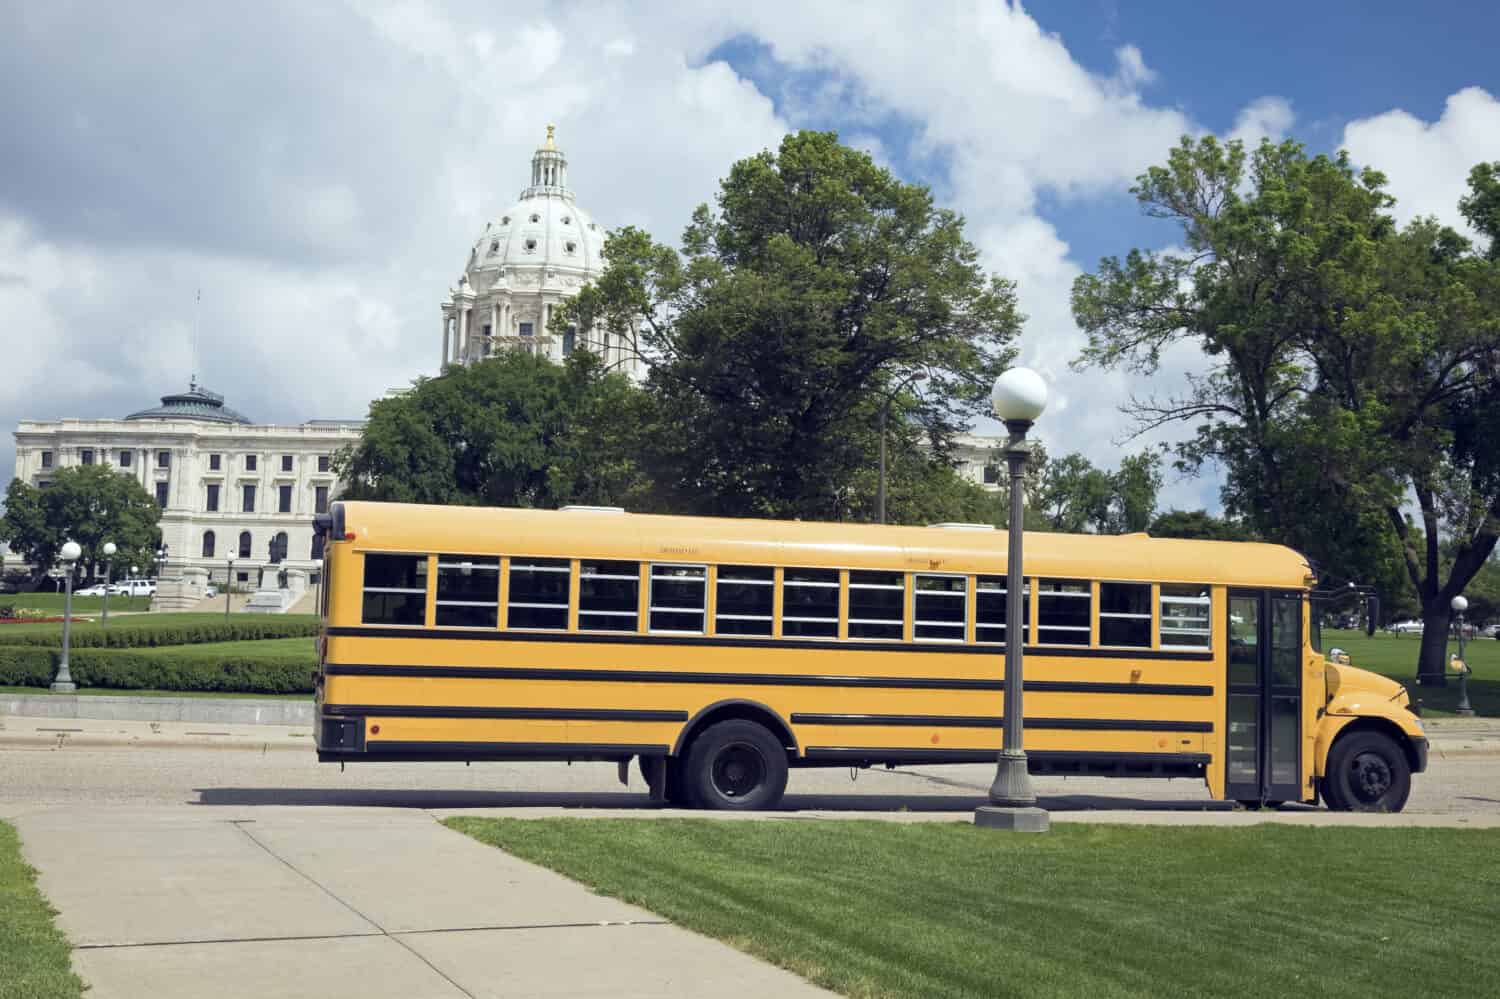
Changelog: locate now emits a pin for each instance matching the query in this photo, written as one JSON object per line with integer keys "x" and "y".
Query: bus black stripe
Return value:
{"x": 982, "y": 721}
{"x": 732, "y": 641}
{"x": 547, "y": 714}
{"x": 762, "y": 679}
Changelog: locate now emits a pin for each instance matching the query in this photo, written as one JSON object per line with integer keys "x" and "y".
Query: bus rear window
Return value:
{"x": 608, "y": 596}
{"x": 468, "y": 591}
{"x": 810, "y": 603}
{"x": 745, "y": 600}
{"x": 395, "y": 590}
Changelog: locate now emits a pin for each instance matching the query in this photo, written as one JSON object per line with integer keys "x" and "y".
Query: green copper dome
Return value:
{"x": 197, "y": 403}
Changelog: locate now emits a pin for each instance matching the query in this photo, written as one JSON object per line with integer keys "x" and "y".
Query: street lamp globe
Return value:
{"x": 1459, "y": 603}
{"x": 70, "y": 551}
{"x": 1019, "y": 394}
{"x": 110, "y": 549}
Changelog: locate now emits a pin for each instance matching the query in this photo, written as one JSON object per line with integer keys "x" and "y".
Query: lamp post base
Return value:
{"x": 1023, "y": 819}
{"x": 1012, "y": 786}
{"x": 64, "y": 687}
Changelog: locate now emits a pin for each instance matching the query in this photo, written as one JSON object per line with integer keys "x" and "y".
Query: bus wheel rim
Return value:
{"x": 738, "y": 770}
{"x": 1372, "y": 776}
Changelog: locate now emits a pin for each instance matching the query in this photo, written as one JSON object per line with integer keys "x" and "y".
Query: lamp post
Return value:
{"x": 130, "y": 589}
{"x": 63, "y": 683}
{"x": 1019, "y": 396}
{"x": 1460, "y": 604}
{"x": 109, "y": 553}
{"x": 885, "y": 415}
{"x": 228, "y": 581}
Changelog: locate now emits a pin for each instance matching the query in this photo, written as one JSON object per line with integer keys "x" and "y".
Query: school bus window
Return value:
{"x": 1185, "y": 616}
{"x": 395, "y": 590}
{"x": 1125, "y": 614}
{"x": 677, "y": 598}
{"x": 745, "y": 600}
{"x": 876, "y": 600}
{"x": 1062, "y": 613}
{"x": 810, "y": 603}
{"x": 941, "y": 608}
{"x": 538, "y": 594}
{"x": 468, "y": 591}
{"x": 608, "y": 596}
{"x": 989, "y": 609}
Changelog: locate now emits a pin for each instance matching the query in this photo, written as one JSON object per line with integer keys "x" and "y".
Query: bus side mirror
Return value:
{"x": 1372, "y": 612}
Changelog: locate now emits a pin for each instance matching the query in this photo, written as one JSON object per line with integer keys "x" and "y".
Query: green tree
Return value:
{"x": 814, "y": 292}
{"x": 89, "y": 504}
{"x": 1072, "y": 496}
{"x": 1481, "y": 206}
{"x": 1351, "y": 363}
{"x": 514, "y": 430}
{"x": 1199, "y": 525}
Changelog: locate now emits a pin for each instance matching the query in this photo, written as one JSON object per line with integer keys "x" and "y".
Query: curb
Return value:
{"x": 196, "y": 710}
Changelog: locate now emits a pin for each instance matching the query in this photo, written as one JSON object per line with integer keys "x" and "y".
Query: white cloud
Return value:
{"x": 1428, "y": 163}
{"x": 1263, "y": 118}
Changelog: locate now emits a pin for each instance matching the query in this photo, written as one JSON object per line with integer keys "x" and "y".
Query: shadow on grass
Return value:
{"x": 638, "y": 801}
{"x": 1484, "y": 696}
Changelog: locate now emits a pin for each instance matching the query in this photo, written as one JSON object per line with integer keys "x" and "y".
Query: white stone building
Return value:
{"x": 229, "y": 488}
{"x": 532, "y": 257}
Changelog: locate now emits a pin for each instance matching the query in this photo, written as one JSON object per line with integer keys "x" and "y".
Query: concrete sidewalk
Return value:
{"x": 173, "y": 903}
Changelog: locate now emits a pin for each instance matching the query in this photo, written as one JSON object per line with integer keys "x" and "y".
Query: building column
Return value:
{"x": 494, "y": 320}
{"x": 463, "y": 339}
{"x": 447, "y": 321}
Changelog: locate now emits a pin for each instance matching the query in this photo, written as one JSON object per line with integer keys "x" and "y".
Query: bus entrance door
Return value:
{"x": 1265, "y": 696}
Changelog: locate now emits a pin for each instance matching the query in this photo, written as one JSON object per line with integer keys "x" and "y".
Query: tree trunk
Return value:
{"x": 1432, "y": 666}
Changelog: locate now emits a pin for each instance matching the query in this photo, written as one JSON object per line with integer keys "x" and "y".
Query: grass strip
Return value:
{"x": 1395, "y": 656}
{"x": 34, "y": 955}
{"x": 873, "y": 909}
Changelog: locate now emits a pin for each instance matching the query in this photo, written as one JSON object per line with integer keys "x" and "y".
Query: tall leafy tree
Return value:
{"x": 803, "y": 304}
{"x": 515, "y": 430}
{"x": 1351, "y": 364}
{"x": 88, "y": 504}
{"x": 1072, "y": 496}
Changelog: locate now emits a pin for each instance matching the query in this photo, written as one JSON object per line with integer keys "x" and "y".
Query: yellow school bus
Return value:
{"x": 719, "y": 653}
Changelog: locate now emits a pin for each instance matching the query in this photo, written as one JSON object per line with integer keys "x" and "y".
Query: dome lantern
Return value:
{"x": 549, "y": 170}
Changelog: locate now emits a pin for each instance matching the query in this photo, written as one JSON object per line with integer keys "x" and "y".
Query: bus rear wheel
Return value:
{"x": 735, "y": 765}
{"x": 1367, "y": 772}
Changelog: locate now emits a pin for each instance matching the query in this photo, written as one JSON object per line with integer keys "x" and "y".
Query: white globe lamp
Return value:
{"x": 1019, "y": 394}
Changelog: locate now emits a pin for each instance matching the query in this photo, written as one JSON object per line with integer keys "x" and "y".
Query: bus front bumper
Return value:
{"x": 1419, "y": 755}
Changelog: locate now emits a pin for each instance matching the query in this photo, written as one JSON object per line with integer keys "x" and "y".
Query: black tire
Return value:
{"x": 1367, "y": 772}
{"x": 675, "y": 794}
{"x": 1249, "y": 804}
{"x": 735, "y": 766}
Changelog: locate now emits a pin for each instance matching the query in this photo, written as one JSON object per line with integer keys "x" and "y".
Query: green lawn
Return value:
{"x": 81, "y": 605}
{"x": 1395, "y": 656}
{"x": 34, "y": 962}
{"x": 947, "y": 910}
{"x": 151, "y": 622}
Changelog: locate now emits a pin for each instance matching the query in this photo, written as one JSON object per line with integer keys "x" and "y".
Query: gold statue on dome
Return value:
{"x": 550, "y": 144}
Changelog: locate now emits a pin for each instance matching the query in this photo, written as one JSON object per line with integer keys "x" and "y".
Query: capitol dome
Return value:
{"x": 527, "y": 261}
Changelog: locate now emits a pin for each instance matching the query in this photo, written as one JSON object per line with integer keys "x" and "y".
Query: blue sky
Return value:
{"x": 323, "y": 177}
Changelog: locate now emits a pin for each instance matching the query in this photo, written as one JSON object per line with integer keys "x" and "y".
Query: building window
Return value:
{"x": 1062, "y": 612}
{"x": 320, "y": 499}
{"x": 941, "y": 605}
{"x": 876, "y": 603}
{"x": 677, "y": 598}
{"x": 277, "y": 549}
{"x": 810, "y": 603}
{"x": 46, "y": 459}
{"x": 323, "y": 462}
{"x": 538, "y": 593}
{"x": 286, "y": 463}
{"x": 247, "y": 500}
{"x": 745, "y": 600}
{"x": 1125, "y": 614}
{"x": 992, "y": 475}
{"x": 125, "y": 458}
{"x": 570, "y": 339}
{"x": 161, "y": 494}
{"x": 1185, "y": 615}
{"x": 530, "y": 245}
{"x": 44, "y": 484}
{"x": 317, "y": 546}
{"x": 536, "y": 218}
{"x": 283, "y": 499}
{"x": 526, "y": 329}
{"x": 395, "y": 590}
{"x": 164, "y": 459}
{"x": 86, "y": 456}
{"x": 990, "y": 609}
{"x": 213, "y": 497}
{"x": 570, "y": 247}
{"x": 244, "y": 546}
{"x": 208, "y": 544}
{"x": 468, "y": 591}
{"x": 608, "y": 596}
{"x": 213, "y": 462}
{"x": 242, "y": 577}
{"x": 251, "y": 462}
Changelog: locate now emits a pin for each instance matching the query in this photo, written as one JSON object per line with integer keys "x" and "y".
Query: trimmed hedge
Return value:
{"x": 186, "y": 669}
{"x": 149, "y": 631}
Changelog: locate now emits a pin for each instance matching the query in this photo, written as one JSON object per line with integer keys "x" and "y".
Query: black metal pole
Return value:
{"x": 63, "y": 683}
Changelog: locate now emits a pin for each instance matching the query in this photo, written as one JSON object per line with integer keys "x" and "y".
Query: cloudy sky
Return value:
{"x": 320, "y": 170}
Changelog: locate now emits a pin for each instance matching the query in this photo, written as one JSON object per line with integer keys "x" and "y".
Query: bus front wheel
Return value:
{"x": 1367, "y": 772}
{"x": 736, "y": 765}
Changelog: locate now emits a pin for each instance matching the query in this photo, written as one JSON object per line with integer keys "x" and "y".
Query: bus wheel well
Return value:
{"x": 735, "y": 709}
{"x": 1386, "y": 728}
